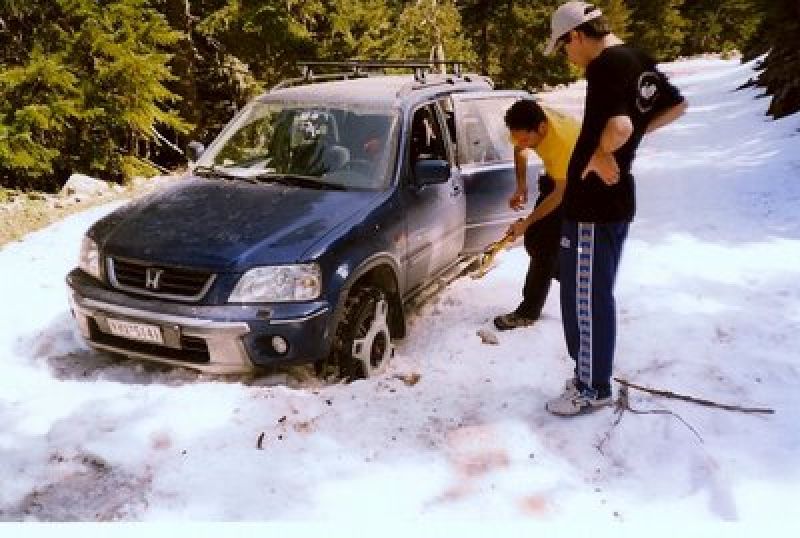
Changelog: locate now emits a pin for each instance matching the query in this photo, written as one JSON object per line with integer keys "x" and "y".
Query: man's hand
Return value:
{"x": 604, "y": 165}
{"x": 518, "y": 200}
{"x": 517, "y": 229}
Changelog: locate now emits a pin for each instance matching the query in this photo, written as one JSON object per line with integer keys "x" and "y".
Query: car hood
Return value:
{"x": 227, "y": 224}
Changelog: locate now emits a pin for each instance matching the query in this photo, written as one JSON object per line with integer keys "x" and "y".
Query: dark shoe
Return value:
{"x": 512, "y": 321}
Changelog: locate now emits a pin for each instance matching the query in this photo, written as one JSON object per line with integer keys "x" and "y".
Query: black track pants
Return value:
{"x": 588, "y": 262}
{"x": 541, "y": 243}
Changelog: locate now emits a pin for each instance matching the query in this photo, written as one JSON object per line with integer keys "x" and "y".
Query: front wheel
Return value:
{"x": 363, "y": 342}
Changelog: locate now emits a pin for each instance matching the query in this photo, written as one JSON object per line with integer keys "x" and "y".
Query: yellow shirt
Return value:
{"x": 556, "y": 147}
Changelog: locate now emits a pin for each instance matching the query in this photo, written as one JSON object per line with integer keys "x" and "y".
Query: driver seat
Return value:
{"x": 334, "y": 157}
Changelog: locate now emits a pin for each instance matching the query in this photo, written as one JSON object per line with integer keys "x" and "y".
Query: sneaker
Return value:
{"x": 571, "y": 387}
{"x": 576, "y": 402}
{"x": 512, "y": 321}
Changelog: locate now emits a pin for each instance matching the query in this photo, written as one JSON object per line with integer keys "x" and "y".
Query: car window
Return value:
{"x": 483, "y": 136}
{"x": 427, "y": 138}
{"x": 343, "y": 145}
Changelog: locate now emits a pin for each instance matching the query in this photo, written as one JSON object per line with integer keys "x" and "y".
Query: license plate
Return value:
{"x": 136, "y": 331}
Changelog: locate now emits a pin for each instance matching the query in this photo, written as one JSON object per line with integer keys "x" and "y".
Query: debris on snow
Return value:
{"x": 488, "y": 337}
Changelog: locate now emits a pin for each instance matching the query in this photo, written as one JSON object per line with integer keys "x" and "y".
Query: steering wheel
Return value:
{"x": 361, "y": 166}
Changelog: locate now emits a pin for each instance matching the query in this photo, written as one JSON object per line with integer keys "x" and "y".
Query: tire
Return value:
{"x": 363, "y": 341}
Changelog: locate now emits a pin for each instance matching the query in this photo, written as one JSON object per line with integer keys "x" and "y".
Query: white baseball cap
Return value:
{"x": 568, "y": 17}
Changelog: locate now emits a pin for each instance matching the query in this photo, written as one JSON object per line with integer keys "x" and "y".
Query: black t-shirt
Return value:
{"x": 622, "y": 80}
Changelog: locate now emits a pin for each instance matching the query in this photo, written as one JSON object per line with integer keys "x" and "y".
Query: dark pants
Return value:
{"x": 541, "y": 243}
{"x": 589, "y": 258}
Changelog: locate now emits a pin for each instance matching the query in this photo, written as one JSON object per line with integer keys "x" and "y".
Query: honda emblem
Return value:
{"x": 153, "y": 278}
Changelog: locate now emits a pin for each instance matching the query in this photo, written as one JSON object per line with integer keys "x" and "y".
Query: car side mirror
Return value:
{"x": 194, "y": 150}
{"x": 431, "y": 172}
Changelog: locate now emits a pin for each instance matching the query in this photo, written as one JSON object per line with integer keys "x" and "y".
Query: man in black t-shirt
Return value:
{"x": 626, "y": 97}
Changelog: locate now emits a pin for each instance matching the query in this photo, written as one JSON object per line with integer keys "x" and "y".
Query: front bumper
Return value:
{"x": 222, "y": 339}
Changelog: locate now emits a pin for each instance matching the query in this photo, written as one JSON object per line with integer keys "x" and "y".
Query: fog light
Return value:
{"x": 280, "y": 345}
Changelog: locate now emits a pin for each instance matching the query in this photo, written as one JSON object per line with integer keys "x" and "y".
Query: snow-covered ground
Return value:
{"x": 709, "y": 305}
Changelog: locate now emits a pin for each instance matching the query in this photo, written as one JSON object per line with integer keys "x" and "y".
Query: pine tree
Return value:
{"x": 210, "y": 81}
{"x": 359, "y": 29}
{"x": 714, "y": 26}
{"x": 185, "y": 56}
{"x": 779, "y": 37}
{"x": 121, "y": 47}
{"x": 618, "y": 15}
{"x": 33, "y": 131}
{"x": 263, "y": 39}
{"x": 525, "y": 64}
{"x": 510, "y": 38}
{"x": 658, "y": 27}
{"x": 38, "y": 95}
{"x": 81, "y": 88}
{"x": 480, "y": 20}
{"x": 427, "y": 24}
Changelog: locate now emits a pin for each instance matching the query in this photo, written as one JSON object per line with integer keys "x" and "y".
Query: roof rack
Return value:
{"x": 362, "y": 68}
{"x": 447, "y": 81}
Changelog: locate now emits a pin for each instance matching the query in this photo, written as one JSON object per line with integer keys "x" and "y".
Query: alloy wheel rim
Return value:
{"x": 372, "y": 350}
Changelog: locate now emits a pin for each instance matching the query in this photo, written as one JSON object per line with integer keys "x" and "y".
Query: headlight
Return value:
{"x": 278, "y": 283}
{"x": 90, "y": 257}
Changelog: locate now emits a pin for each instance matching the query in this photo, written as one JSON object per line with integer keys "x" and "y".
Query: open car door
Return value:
{"x": 485, "y": 157}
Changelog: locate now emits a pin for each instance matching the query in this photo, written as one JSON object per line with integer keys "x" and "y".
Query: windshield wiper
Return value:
{"x": 215, "y": 171}
{"x": 292, "y": 180}
{"x": 298, "y": 180}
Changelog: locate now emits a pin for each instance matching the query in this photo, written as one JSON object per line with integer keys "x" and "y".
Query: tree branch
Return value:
{"x": 699, "y": 401}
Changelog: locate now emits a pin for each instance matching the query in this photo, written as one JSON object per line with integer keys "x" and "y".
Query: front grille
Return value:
{"x": 171, "y": 282}
{"x": 194, "y": 350}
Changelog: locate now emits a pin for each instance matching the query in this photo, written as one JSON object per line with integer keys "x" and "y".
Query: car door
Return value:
{"x": 435, "y": 213}
{"x": 486, "y": 161}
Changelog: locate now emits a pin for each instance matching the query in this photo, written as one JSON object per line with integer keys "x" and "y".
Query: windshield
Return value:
{"x": 338, "y": 145}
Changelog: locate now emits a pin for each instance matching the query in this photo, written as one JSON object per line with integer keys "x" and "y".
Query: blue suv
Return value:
{"x": 305, "y": 230}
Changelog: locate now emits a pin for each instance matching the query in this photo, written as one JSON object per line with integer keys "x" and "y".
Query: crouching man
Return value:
{"x": 552, "y": 136}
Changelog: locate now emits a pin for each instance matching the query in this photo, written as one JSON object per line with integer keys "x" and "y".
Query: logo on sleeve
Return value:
{"x": 647, "y": 91}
